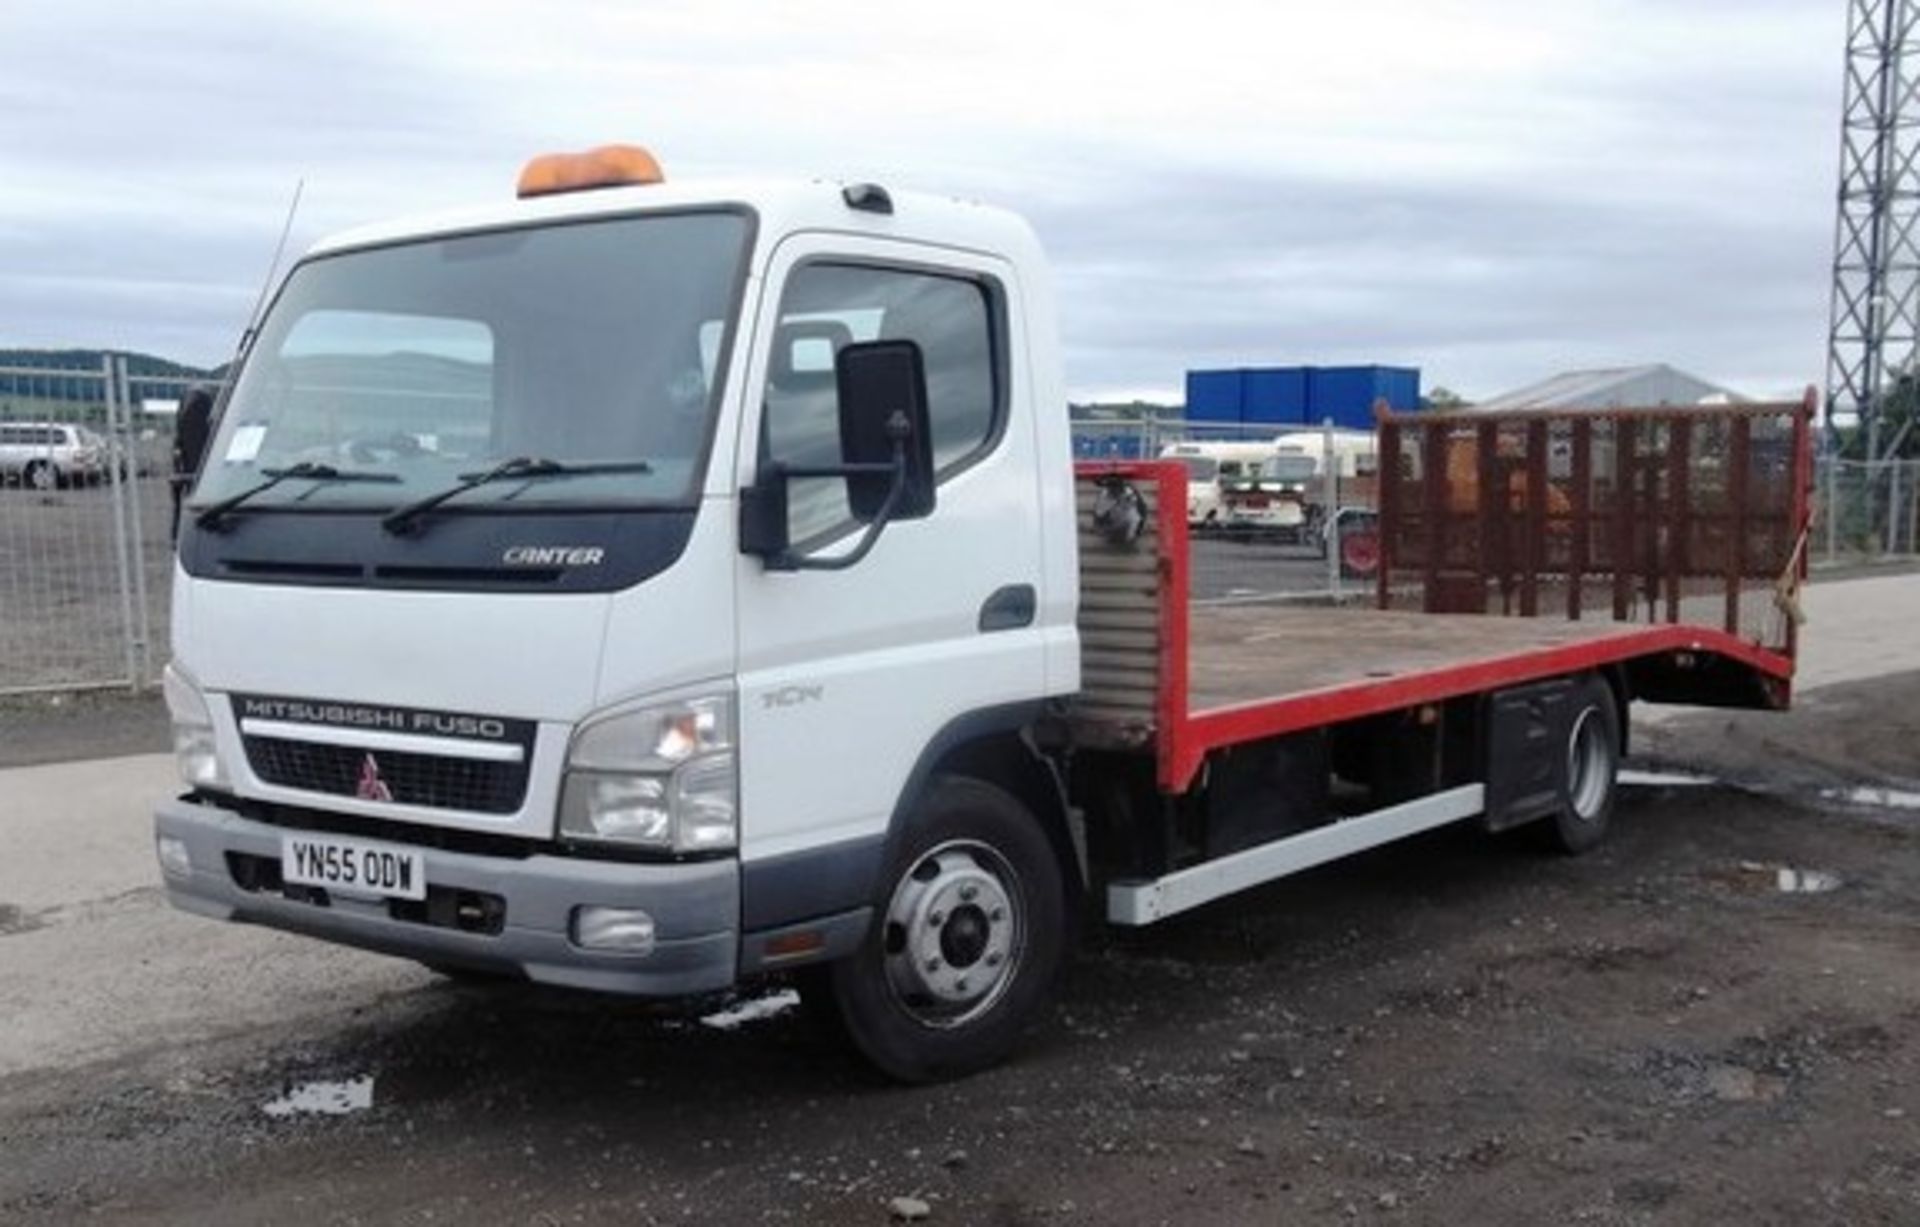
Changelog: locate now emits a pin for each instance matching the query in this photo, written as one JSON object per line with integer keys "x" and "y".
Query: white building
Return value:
{"x": 1619, "y": 387}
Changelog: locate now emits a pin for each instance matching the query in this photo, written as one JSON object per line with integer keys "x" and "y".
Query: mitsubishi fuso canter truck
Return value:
{"x": 652, "y": 587}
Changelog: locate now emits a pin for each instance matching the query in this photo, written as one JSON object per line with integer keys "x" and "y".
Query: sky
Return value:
{"x": 1492, "y": 191}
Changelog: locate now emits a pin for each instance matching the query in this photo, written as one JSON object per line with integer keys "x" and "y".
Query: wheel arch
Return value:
{"x": 991, "y": 745}
{"x": 988, "y": 744}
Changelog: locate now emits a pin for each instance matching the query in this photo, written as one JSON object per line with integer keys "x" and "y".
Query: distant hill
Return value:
{"x": 70, "y": 375}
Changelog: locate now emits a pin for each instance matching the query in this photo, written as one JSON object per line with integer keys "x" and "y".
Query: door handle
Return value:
{"x": 1009, "y": 608}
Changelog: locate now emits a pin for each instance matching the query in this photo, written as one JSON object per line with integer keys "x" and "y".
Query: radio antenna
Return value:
{"x": 260, "y": 301}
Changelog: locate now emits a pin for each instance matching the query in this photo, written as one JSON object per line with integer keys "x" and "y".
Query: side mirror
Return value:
{"x": 886, "y": 450}
{"x": 883, "y": 390}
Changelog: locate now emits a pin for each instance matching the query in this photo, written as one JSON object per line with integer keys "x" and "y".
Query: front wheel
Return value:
{"x": 970, "y": 933}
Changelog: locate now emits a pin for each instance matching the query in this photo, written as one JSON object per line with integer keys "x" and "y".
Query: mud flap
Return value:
{"x": 1526, "y": 768}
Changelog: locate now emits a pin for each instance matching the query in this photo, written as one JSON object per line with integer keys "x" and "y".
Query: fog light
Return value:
{"x": 174, "y": 861}
{"x": 625, "y": 929}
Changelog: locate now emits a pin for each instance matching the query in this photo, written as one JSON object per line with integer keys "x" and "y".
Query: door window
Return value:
{"x": 828, "y": 306}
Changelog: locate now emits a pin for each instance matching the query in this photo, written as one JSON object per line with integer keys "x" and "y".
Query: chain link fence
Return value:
{"x": 1866, "y": 511}
{"x": 85, "y": 523}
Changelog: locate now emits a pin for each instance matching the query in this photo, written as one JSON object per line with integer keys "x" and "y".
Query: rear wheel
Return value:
{"x": 40, "y": 475}
{"x": 970, "y": 933}
{"x": 1593, "y": 768}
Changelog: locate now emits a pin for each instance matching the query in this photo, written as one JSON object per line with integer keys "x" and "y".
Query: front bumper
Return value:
{"x": 695, "y": 907}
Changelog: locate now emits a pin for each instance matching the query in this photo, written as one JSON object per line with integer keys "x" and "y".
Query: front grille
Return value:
{"x": 435, "y": 781}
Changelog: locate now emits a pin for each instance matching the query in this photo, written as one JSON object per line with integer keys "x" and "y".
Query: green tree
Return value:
{"x": 1897, "y": 410}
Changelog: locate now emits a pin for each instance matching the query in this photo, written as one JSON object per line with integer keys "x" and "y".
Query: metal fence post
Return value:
{"x": 1893, "y": 507}
{"x": 121, "y": 550}
{"x": 131, "y": 485}
{"x": 1832, "y": 464}
{"x": 1330, "y": 518}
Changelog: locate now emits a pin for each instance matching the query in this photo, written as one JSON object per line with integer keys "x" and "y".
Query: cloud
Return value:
{"x": 1492, "y": 190}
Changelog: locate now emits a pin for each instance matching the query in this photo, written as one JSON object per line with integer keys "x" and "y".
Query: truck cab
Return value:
{"x": 570, "y": 728}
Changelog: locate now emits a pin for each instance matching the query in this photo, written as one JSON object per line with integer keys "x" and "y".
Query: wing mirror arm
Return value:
{"x": 763, "y": 511}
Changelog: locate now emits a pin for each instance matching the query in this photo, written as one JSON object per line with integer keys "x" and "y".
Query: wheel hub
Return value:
{"x": 954, "y": 933}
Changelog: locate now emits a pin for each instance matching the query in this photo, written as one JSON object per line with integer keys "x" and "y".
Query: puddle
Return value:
{"x": 1804, "y": 881}
{"x": 1755, "y": 877}
{"x": 741, "y": 1013}
{"x": 1873, "y": 798}
{"x": 324, "y": 1098}
{"x": 1665, "y": 779}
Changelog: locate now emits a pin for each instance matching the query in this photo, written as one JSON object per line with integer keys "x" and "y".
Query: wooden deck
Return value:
{"x": 1261, "y": 653}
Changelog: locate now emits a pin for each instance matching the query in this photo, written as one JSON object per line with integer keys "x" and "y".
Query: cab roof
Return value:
{"x": 781, "y": 207}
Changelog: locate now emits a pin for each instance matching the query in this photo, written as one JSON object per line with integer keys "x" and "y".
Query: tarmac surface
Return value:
{"x": 1716, "y": 1016}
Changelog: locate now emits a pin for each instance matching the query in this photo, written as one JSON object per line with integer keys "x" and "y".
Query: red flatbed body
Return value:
{"x": 1257, "y": 672}
{"x": 1222, "y": 675}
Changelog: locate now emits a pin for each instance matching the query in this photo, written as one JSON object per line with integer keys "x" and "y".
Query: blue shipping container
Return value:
{"x": 1276, "y": 395}
{"x": 1300, "y": 395}
{"x": 1213, "y": 396}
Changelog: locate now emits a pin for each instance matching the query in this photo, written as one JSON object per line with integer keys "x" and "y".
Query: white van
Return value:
{"x": 1210, "y": 468}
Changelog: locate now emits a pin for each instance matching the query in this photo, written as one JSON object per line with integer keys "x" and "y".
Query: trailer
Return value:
{"x": 650, "y": 588}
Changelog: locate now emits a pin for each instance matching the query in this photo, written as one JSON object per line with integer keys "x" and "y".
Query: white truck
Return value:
{"x": 649, "y": 588}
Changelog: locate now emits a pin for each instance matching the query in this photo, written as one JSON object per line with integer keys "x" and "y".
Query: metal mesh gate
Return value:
{"x": 85, "y": 517}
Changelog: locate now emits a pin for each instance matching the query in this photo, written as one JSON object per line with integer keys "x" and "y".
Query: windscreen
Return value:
{"x": 1291, "y": 468}
{"x": 587, "y": 343}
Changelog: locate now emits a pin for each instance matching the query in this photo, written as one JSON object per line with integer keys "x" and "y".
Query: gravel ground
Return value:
{"x": 1455, "y": 1029}
{"x": 86, "y": 724}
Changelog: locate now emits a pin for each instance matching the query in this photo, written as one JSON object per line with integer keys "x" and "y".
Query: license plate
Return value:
{"x": 350, "y": 867}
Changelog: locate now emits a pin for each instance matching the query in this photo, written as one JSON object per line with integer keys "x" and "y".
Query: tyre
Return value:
{"x": 969, "y": 932}
{"x": 1593, "y": 768}
{"x": 40, "y": 475}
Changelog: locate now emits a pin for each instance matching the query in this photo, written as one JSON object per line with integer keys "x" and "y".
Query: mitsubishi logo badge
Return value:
{"x": 371, "y": 787}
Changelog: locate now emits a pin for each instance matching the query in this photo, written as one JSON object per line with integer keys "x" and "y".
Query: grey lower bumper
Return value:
{"x": 695, "y": 908}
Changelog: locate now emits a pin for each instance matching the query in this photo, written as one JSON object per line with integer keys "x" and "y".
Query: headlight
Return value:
{"x": 660, "y": 776}
{"x": 193, "y": 743}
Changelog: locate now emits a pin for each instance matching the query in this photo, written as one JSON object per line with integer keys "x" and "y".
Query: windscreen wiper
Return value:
{"x": 212, "y": 514}
{"x": 406, "y": 517}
